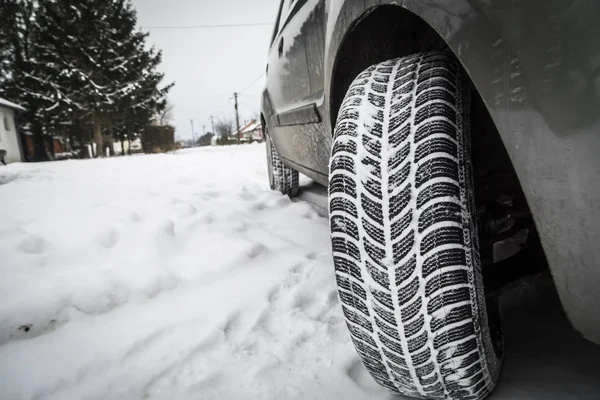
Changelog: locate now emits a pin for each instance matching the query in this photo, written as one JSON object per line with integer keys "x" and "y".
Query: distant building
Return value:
{"x": 10, "y": 139}
{"x": 250, "y": 132}
{"x": 58, "y": 145}
{"x": 158, "y": 139}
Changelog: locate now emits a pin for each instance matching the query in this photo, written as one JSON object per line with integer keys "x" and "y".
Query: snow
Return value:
{"x": 11, "y": 105}
{"x": 182, "y": 276}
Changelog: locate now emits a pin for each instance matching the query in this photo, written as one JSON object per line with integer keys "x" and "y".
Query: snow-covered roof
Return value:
{"x": 250, "y": 127}
{"x": 247, "y": 128}
{"x": 9, "y": 104}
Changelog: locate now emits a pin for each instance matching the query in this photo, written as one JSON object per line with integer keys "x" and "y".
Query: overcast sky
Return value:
{"x": 208, "y": 65}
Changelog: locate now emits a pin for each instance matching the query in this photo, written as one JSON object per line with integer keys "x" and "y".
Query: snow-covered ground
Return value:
{"x": 182, "y": 276}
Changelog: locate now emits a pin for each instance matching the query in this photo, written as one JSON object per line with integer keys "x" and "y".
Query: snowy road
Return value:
{"x": 181, "y": 276}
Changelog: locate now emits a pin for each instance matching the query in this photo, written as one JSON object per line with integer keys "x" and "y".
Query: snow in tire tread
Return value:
{"x": 403, "y": 230}
{"x": 285, "y": 179}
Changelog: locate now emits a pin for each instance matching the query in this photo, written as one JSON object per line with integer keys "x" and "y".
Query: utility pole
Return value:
{"x": 212, "y": 124}
{"x": 193, "y": 136}
{"x": 237, "y": 119}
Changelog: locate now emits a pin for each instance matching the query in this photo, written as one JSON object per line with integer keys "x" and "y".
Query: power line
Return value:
{"x": 253, "y": 82}
{"x": 249, "y": 100}
{"x": 248, "y": 95}
{"x": 208, "y": 26}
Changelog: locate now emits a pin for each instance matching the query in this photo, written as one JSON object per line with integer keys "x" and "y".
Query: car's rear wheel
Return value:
{"x": 404, "y": 234}
{"x": 281, "y": 177}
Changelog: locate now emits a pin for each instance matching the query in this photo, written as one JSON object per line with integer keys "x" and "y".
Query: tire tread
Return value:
{"x": 399, "y": 177}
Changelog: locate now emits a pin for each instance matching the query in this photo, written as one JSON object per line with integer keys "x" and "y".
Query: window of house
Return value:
{"x": 6, "y": 124}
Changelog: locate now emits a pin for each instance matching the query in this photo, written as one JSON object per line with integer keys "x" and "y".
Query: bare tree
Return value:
{"x": 165, "y": 117}
{"x": 224, "y": 128}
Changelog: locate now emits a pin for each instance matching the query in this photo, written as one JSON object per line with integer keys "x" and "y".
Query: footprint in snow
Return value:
{"x": 183, "y": 208}
{"x": 199, "y": 222}
{"x": 33, "y": 244}
{"x": 239, "y": 226}
{"x": 357, "y": 372}
{"x": 279, "y": 201}
{"x": 302, "y": 301}
{"x": 206, "y": 219}
{"x": 297, "y": 269}
{"x": 107, "y": 238}
{"x": 256, "y": 250}
{"x": 165, "y": 228}
{"x": 300, "y": 340}
{"x": 210, "y": 195}
{"x": 245, "y": 194}
{"x": 274, "y": 294}
{"x": 332, "y": 298}
{"x": 262, "y": 322}
{"x": 232, "y": 326}
{"x": 135, "y": 217}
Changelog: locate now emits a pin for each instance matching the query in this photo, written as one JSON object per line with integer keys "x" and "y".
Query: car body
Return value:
{"x": 535, "y": 64}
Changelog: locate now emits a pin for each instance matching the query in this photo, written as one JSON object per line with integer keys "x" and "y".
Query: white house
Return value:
{"x": 9, "y": 137}
{"x": 250, "y": 131}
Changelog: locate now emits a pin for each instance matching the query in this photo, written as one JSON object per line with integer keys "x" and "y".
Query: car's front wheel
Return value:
{"x": 404, "y": 234}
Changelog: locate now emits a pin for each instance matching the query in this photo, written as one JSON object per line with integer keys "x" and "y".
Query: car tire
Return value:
{"x": 281, "y": 177}
{"x": 404, "y": 233}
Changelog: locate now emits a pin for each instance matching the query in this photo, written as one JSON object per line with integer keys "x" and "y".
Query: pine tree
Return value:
{"x": 40, "y": 77}
{"x": 119, "y": 84}
{"x": 56, "y": 58}
{"x": 22, "y": 70}
{"x": 70, "y": 62}
{"x": 88, "y": 33}
{"x": 140, "y": 96}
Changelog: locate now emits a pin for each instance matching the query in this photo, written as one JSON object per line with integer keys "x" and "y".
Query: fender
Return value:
{"x": 535, "y": 65}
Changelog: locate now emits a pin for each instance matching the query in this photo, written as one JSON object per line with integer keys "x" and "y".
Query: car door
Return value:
{"x": 295, "y": 83}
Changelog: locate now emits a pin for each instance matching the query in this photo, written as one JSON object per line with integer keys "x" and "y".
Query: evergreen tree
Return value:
{"x": 23, "y": 72}
{"x": 140, "y": 94}
{"x": 71, "y": 62}
{"x": 90, "y": 32}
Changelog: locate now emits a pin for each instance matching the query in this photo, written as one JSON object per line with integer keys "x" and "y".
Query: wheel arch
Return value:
{"x": 381, "y": 33}
{"x": 263, "y": 121}
{"x": 501, "y": 64}
{"x": 387, "y": 31}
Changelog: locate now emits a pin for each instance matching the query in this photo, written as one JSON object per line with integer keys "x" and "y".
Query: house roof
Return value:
{"x": 11, "y": 105}
{"x": 248, "y": 127}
